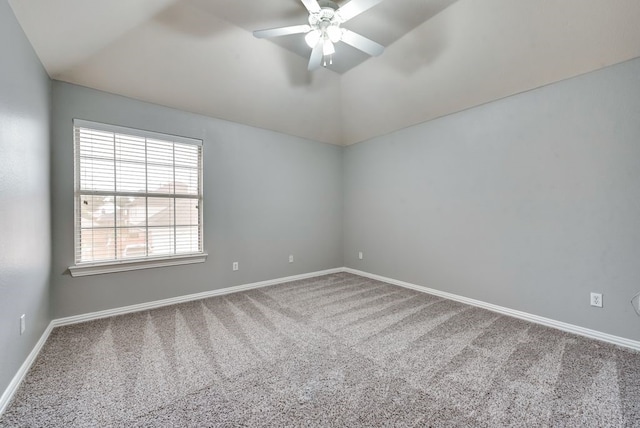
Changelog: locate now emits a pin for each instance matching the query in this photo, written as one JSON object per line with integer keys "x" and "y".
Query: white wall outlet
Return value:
{"x": 23, "y": 323}
{"x": 360, "y": 255}
{"x": 596, "y": 300}
{"x": 290, "y": 258}
{"x": 235, "y": 266}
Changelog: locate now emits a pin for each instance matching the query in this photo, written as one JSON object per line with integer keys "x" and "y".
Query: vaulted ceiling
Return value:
{"x": 441, "y": 56}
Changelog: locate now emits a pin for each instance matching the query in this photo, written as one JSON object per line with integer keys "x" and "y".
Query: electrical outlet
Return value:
{"x": 235, "y": 266}
{"x": 23, "y": 324}
{"x": 360, "y": 255}
{"x": 291, "y": 258}
{"x": 596, "y": 300}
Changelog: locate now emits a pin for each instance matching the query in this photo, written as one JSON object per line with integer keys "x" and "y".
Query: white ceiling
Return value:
{"x": 442, "y": 56}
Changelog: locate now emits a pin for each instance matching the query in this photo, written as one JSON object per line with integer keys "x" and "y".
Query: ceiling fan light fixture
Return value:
{"x": 312, "y": 38}
{"x": 328, "y": 48}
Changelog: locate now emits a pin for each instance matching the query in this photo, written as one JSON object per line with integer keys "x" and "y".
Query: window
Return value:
{"x": 138, "y": 199}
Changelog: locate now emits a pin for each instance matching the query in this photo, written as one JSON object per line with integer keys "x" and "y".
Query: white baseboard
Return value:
{"x": 24, "y": 368}
{"x": 17, "y": 379}
{"x": 570, "y": 328}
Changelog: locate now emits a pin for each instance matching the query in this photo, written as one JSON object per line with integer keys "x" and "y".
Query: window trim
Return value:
{"x": 87, "y": 269}
{"x": 123, "y": 265}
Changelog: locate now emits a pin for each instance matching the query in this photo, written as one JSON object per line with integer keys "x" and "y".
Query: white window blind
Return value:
{"x": 138, "y": 194}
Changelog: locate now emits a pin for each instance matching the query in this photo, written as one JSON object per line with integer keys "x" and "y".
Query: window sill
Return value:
{"x": 127, "y": 265}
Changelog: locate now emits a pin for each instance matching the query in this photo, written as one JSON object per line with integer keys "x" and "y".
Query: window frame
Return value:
{"x": 145, "y": 262}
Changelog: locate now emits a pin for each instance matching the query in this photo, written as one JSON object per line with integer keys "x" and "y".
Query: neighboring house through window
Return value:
{"x": 138, "y": 199}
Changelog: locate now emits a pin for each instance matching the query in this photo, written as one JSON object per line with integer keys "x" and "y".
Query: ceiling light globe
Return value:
{"x": 328, "y": 48}
{"x": 312, "y": 38}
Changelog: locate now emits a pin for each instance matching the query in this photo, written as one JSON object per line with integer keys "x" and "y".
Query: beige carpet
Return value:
{"x": 338, "y": 350}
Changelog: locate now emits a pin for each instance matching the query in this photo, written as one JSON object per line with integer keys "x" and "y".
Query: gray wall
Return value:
{"x": 530, "y": 202}
{"x": 25, "y": 239}
{"x": 266, "y": 195}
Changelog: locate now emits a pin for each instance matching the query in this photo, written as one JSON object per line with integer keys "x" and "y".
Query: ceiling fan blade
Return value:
{"x": 311, "y": 5}
{"x": 362, "y": 43}
{"x": 355, "y": 7}
{"x": 315, "y": 61}
{"x": 283, "y": 31}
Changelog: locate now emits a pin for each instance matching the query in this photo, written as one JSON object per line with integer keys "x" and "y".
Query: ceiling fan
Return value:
{"x": 324, "y": 30}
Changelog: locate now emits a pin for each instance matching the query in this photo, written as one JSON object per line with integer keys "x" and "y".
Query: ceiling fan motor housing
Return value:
{"x": 325, "y": 17}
